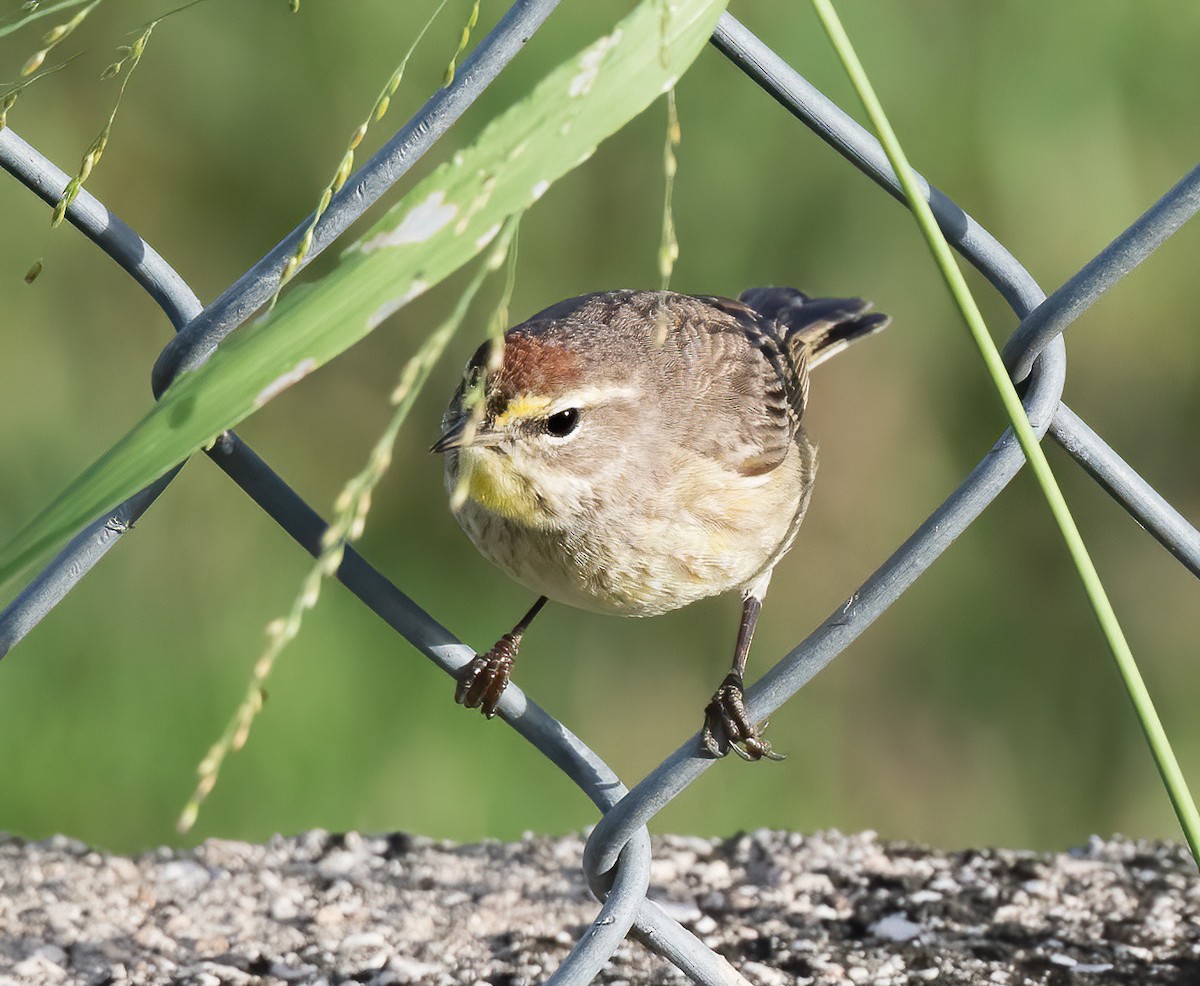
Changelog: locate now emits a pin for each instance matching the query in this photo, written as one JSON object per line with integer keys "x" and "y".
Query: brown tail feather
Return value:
{"x": 824, "y": 326}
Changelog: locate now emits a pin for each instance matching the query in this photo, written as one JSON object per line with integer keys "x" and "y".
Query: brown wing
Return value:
{"x": 764, "y": 385}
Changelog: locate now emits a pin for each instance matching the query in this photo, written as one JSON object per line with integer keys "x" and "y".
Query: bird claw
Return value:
{"x": 483, "y": 681}
{"x": 727, "y": 725}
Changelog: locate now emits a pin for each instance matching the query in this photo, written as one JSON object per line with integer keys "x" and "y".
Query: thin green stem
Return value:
{"x": 18, "y": 21}
{"x": 382, "y": 102}
{"x": 463, "y": 41}
{"x": 1160, "y": 747}
{"x": 668, "y": 251}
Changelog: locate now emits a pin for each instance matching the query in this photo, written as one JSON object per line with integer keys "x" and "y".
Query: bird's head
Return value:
{"x": 531, "y": 435}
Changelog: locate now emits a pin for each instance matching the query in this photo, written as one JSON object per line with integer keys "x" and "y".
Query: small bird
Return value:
{"x": 631, "y": 452}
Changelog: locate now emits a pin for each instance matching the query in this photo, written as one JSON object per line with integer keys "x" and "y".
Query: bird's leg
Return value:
{"x": 483, "y": 681}
{"x": 727, "y": 726}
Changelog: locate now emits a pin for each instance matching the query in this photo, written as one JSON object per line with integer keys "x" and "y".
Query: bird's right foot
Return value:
{"x": 727, "y": 725}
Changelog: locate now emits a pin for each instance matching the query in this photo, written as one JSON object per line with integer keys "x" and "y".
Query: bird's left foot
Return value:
{"x": 482, "y": 682}
{"x": 727, "y": 726}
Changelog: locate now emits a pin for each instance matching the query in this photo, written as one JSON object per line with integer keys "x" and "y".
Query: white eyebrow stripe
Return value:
{"x": 593, "y": 395}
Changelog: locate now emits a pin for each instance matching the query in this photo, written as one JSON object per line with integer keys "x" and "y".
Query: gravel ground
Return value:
{"x": 784, "y": 908}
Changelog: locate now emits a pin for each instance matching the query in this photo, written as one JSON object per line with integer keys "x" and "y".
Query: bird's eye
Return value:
{"x": 562, "y": 423}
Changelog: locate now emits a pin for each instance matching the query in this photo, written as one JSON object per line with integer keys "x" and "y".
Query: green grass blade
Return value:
{"x": 442, "y": 223}
{"x": 1160, "y": 747}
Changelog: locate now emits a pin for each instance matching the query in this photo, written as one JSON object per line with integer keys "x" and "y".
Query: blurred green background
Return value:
{"x": 982, "y": 709}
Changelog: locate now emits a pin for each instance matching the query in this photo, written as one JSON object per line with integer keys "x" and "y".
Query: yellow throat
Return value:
{"x": 493, "y": 484}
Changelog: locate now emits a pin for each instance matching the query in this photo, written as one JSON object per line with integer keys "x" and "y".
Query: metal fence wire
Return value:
{"x": 617, "y": 857}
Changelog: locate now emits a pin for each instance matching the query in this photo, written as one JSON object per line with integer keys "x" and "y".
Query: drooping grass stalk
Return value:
{"x": 463, "y": 41}
{"x": 474, "y": 398}
{"x": 55, "y": 36}
{"x": 499, "y": 318}
{"x": 668, "y": 251}
{"x": 30, "y": 70}
{"x": 1160, "y": 747}
{"x": 131, "y": 56}
{"x": 31, "y": 11}
{"x": 349, "y": 520}
{"x": 346, "y": 165}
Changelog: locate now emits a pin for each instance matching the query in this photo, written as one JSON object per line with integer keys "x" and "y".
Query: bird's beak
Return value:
{"x": 453, "y": 436}
{"x": 456, "y": 436}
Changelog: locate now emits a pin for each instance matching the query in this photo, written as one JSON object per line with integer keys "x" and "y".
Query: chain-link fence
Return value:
{"x": 617, "y": 860}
